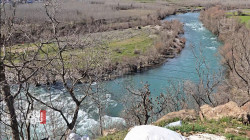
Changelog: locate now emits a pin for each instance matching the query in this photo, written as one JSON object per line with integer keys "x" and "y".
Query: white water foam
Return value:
{"x": 195, "y": 26}
{"x": 211, "y": 48}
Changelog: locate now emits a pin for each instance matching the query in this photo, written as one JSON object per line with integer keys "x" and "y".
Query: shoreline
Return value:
{"x": 178, "y": 43}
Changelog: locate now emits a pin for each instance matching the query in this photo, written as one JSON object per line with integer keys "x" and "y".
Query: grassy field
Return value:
{"x": 80, "y": 11}
{"x": 243, "y": 16}
{"x": 229, "y": 3}
{"x": 130, "y": 47}
{"x": 117, "y": 44}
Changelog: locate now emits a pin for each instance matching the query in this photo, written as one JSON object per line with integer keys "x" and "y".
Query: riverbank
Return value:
{"x": 234, "y": 52}
{"x": 122, "y": 52}
{"x": 145, "y": 50}
{"x": 228, "y": 121}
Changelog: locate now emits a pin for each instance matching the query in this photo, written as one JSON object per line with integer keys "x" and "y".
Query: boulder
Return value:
{"x": 74, "y": 136}
{"x": 109, "y": 131}
{"x": 230, "y": 109}
{"x": 174, "y": 124}
{"x": 246, "y": 107}
{"x": 231, "y": 130}
{"x": 185, "y": 114}
{"x": 206, "y": 136}
{"x": 150, "y": 132}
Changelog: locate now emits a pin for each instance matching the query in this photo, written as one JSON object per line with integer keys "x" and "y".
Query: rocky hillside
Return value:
{"x": 228, "y": 121}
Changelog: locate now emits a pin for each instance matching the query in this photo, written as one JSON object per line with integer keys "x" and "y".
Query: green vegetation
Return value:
{"x": 243, "y": 15}
{"x": 130, "y": 47}
{"x": 188, "y": 127}
{"x": 117, "y": 136}
{"x": 16, "y": 52}
{"x": 234, "y": 137}
{"x": 220, "y": 127}
{"x": 116, "y": 50}
{"x": 212, "y": 126}
{"x": 164, "y": 123}
{"x": 244, "y": 19}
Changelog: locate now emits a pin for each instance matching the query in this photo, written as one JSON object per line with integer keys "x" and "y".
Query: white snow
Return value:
{"x": 150, "y": 132}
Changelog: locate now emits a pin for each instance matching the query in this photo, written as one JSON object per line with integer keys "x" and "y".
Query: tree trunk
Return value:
{"x": 100, "y": 119}
{"x": 9, "y": 100}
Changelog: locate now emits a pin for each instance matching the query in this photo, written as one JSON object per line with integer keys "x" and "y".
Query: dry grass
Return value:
{"x": 228, "y": 3}
{"x": 85, "y": 10}
{"x": 82, "y": 10}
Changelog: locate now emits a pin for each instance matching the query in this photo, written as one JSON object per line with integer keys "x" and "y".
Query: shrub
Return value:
{"x": 116, "y": 136}
{"x": 137, "y": 52}
{"x": 189, "y": 127}
{"x": 118, "y": 50}
{"x": 234, "y": 137}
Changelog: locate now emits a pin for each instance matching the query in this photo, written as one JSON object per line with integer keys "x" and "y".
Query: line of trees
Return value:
{"x": 141, "y": 107}
{"x": 235, "y": 52}
{"x": 43, "y": 60}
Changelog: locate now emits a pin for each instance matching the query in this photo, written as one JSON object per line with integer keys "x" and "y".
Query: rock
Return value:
{"x": 182, "y": 114}
{"x": 231, "y": 130}
{"x": 229, "y": 109}
{"x": 73, "y": 136}
{"x": 183, "y": 40}
{"x": 109, "y": 131}
{"x": 152, "y": 36}
{"x": 150, "y": 132}
{"x": 174, "y": 124}
{"x": 246, "y": 107}
{"x": 206, "y": 136}
{"x": 248, "y": 133}
{"x": 157, "y": 27}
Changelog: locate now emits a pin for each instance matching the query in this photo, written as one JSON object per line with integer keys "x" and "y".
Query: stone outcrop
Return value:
{"x": 150, "y": 132}
{"x": 182, "y": 114}
{"x": 206, "y": 136}
{"x": 230, "y": 109}
{"x": 178, "y": 45}
{"x": 246, "y": 107}
{"x": 109, "y": 131}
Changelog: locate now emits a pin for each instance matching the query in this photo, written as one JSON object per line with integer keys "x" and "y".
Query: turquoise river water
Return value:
{"x": 177, "y": 69}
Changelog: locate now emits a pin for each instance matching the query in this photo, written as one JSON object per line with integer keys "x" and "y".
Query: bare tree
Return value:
{"x": 208, "y": 81}
{"x": 140, "y": 108}
{"x": 235, "y": 54}
{"x": 43, "y": 59}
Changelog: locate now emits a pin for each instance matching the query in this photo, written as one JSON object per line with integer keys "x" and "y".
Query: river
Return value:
{"x": 177, "y": 69}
